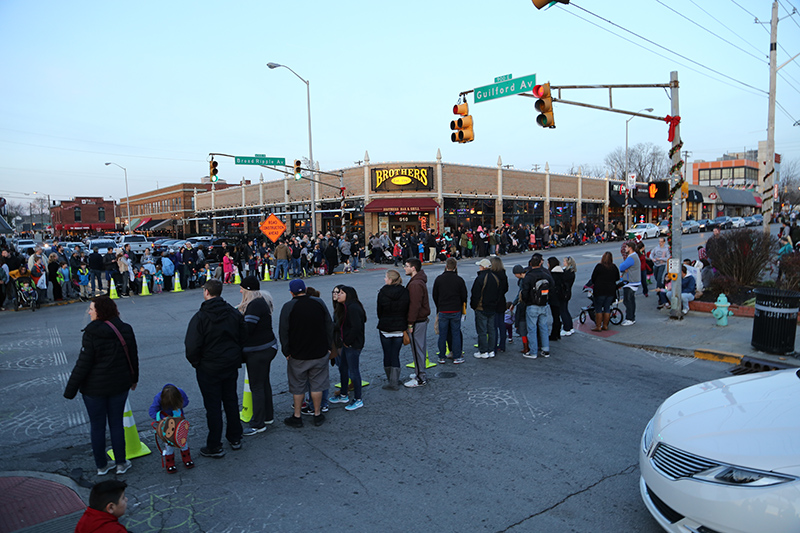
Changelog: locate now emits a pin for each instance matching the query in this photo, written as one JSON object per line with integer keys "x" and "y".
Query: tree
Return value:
{"x": 789, "y": 187}
{"x": 647, "y": 160}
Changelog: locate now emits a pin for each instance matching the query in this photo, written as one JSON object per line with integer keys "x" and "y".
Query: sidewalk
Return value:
{"x": 40, "y": 502}
{"x": 696, "y": 335}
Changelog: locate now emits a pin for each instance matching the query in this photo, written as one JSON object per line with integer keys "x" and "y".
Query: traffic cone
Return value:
{"x": 133, "y": 446}
{"x": 145, "y": 288}
{"x": 247, "y": 400}
{"x": 177, "y": 287}
{"x": 113, "y": 291}
{"x": 236, "y": 279}
{"x": 266, "y": 273}
{"x": 363, "y": 384}
{"x": 208, "y": 274}
{"x": 428, "y": 363}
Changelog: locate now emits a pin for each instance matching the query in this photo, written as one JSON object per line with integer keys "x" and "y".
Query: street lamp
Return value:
{"x": 310, "y": 150}
{"x": 127, "y": 196}
{"x": 628, "y": 195}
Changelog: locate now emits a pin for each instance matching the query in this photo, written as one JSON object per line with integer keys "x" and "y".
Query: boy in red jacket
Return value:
{"x": 107, "y": 502}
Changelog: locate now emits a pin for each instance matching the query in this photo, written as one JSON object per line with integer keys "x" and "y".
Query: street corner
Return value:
{"x": 31, "y": 498}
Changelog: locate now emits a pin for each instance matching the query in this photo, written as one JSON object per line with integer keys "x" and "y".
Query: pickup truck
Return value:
{"x": 138, "y": 245}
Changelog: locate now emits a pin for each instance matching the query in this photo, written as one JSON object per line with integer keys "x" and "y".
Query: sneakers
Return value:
{"x": 124, "y": 467}
{"x": 358, "y": 404}
{"x": 205, "y": 451}
{"x": 339, "y": 398}
{"x": 458, "y": 360}
{"x": 529, "y": 355}
{"x": 253, "y": 431}
{"x": 414, "y": 383}
{"x": 236, "y": 445}
{"x": 481, "y": 355}
{"x": 318, "y": 419}
{"x": 442, "y": 360}
{"x": 292, "y": 422}
{"x": 567, "y": 333}
{"x": 490, "y": 355}
{"x": 628, "y": 322}
{"x": 660, "y": 306}
{"x": 685, "y": 311}
{"x": 545, "y": 353}
{"x": 309, "y": 409}
{"x": 106, "y": 469}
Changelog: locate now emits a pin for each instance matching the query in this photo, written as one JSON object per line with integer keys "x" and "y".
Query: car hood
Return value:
{"x": 750, "y": 421}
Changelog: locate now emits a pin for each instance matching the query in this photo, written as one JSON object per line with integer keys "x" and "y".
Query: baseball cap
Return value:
{"x": 296, "y": 286}
{"x": 250, "y": 283}
{"x": 518, "y": 269}
{"x": 485, "y": 263}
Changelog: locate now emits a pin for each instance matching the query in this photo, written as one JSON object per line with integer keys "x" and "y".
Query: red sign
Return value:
{"x": 272, "y": 227}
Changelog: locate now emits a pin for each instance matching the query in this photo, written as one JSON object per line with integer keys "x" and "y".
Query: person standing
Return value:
{"x": 631, "y": 271}
{"x": 106, "y": 369}
{"x": 660, "y": 255}
{"x": 418, "y": 312}
{"x": 534, "y": 292}
{"x": 604, "y": 290}
{"x": 306, "y": 335}
{"x": 483, "y": 300}
{"x": 393, "y": 302}
{"x": 569, "y": 267}
{"x": 260, "y": 348}
{"x": 499, "y": 270}
{"x": 450, "y": 298}
{"x": 349, "y": 338}
{"x": 282, "y": 255}
{"x": 96, "y": 269}
{"x": 214, "y": 341}
{"x": 555, "y": 296}
{"x": 520, "y": 320}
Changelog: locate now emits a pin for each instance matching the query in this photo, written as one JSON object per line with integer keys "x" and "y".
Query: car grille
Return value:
{"x": 675, "y": 463}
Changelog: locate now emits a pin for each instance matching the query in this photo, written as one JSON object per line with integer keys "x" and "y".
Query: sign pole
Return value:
{"x": 677, "y": 215}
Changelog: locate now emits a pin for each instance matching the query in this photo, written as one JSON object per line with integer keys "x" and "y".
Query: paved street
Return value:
{"x": 491, "y": 445}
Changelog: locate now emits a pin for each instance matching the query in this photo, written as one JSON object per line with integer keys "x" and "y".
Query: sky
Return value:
{"x": 156, "y": 86}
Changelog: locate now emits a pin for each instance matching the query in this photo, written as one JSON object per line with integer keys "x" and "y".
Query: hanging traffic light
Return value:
{"x": 658, "y": 190}
{"x": 544, "y": 105}
{"x": 298, "y": 173}
{"x": 462, "y": 127}
{"x": 212, "y": 170}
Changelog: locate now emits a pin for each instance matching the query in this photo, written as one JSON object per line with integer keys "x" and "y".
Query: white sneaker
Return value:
{"x": 628, "y": 322}
{"x": 490, "y": 354}
{"x": 479, "y": 355}
{"x": 530, "y": 355}
{"x": 414, "y": 383}
{"x": 567, "y": 333}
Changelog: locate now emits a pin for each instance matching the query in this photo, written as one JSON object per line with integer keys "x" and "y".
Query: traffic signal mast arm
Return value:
{"x": 291, "y": 173}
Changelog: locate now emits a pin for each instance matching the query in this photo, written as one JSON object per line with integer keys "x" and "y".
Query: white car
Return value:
{"x": 724, "y": 456}
{"x": 644, "y": 231}
{"x": 738, "y": 222}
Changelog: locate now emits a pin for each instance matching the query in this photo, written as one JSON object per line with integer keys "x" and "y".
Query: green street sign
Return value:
{"x": 505, "y": 88}
{"x": 246, "y": 160}
{"x": 261, "y": 155}
{"x": 503, "y": 78}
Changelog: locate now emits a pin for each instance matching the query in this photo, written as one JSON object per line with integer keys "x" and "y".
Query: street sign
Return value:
{"x": 261, "y": 155}
{"x": 503, "y": 78}
{"x": 631, "y": 181}
{"x": 272, "y": 227}
{"x": 247, "y": 160}
{"x": 505, "y": 88}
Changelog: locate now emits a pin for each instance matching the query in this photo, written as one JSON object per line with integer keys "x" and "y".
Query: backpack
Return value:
{"x": 538, "y": 294}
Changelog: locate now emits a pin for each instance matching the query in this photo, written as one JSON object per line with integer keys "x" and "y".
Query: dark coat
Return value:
{"x": 449, "y": 292}
{"x": 102, "y": 368}
{"x": 351, "y": 330}
{"x": 393, "y": 308}
{"x": 485, "y": 291}
{"x": 215, "y": 337}
{"x": 419, "y": 309}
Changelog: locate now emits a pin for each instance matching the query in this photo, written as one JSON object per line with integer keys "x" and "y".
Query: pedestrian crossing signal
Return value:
{"x": 658, "y": 190}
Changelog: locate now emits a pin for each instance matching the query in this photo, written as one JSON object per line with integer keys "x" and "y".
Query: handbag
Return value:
{"x": 406, "y": 338}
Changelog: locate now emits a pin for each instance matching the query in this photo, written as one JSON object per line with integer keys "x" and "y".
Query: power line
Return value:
{"x": 101, "y": 153}
{"x": 746, "y": 11}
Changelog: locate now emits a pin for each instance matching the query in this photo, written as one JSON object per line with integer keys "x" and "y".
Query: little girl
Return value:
{"x": 170, "y": 402}
{"x": 158, "y": 281}
{"x": 227, "y": 267}
{"x": 509, "y": 321}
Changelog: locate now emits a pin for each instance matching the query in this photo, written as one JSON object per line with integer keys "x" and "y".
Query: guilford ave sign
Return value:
{"x": 505, "y": 87}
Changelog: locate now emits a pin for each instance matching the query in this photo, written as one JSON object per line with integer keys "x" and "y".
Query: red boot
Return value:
{"x": 169, "y": 463}
{"x": 187, "y": 458}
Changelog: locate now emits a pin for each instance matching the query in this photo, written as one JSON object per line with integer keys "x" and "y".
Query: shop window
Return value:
{"x": 101, "y": 214}
{"x": 77, "y": 212}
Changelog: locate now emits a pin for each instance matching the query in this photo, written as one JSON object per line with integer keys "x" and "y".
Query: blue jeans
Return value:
{"x": 658, "y": 272}
{"x": 282, "y": 269}
{"x": 349, "y": 370}
{"x": 296, "y": 267}
{"x": 487, "y": 333}
{"x": 500, "y": 330}
{"x": 354, "y": 261}
{"x": 538, "y": 321}
{"x": 96, "y": 275}
{"x": 391, "y": 350}
{"x": 104, "y": 409}
{"x": 450, "y": 328}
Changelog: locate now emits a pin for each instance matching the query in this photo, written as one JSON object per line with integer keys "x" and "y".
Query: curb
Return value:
{"x": 708, "y": 355}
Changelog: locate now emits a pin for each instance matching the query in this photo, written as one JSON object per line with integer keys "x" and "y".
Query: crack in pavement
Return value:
{"x": 623, "y": 472}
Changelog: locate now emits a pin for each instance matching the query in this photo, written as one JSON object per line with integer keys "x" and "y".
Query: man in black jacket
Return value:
{"x": 537, "y": 313}
{"x": 450, "y": 297}
{"x": 483, "y": 300}
{"x": 214, "y": 341}
{"x": 96, "y": 269}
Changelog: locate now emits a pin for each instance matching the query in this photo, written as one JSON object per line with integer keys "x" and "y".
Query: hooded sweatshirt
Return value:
{"x": 215, "y": 337}
{"x": 94, "y": 521}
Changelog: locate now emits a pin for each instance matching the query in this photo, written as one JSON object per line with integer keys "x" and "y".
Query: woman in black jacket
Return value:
{"x": 259, "y": 350}
{"x": 500, "y": 308}
{"x": 107, "y": 367}
{"x": 555, "y": 298}
{"x": 349, "y": 335}
{"x": 604, "y": 286}
{"x": 569, "y": 268}
{"x": 393, "y": 302}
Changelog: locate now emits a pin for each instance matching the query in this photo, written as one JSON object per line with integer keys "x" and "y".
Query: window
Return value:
{"x": 101, "y": 214}
{"x": 77, "y": 214}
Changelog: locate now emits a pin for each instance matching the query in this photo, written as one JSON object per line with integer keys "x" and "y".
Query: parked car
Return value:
{"x": 644, "y": 231}
{"x": 751, "y": 221}
{"x": 690, "y": 226}
{"x": 723, "y": 222}
{"x": 138, "y": 244}
{"x": 759, "y": 218}
{"x": 705, "y": 224}
{"x": 22, "y": 245}
{"x": 738, "y": 222}
{"x": 723, "y": 456}
{"x": 664, "y": 228}
{"x": 102, "y": 245}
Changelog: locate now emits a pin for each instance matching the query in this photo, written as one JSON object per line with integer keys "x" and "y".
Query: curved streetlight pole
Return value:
{"x": 127, "y": 196}
{"x": 310, "y": 149}
{"x": 628, "y": 195}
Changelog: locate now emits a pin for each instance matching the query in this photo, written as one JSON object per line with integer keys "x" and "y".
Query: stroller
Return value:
{"x": 25, "y": 294}
{"x": 616, "y": 312}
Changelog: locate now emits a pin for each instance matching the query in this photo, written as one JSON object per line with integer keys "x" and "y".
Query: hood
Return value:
{"x": 393, "y": 292}
{"x": 749, "y": 421}
{"x": 421, "y": 276}
{"x": 216, "y": 309}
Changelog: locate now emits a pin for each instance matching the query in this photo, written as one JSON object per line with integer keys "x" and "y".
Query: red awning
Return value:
{"x": 103, "y": 225}
{"x": 389, "y": 205}
{"x": 759, "y": 201}
{"x": 143, "y": 222}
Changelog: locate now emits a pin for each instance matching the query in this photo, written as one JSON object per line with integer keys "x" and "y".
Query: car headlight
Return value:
{"x": 647, "y": 436}
{"x": 742, "y": 477}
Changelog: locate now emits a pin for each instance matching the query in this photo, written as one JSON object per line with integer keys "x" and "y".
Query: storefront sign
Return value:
{"x": 423, "y": 222}
{"x": 383, "y": 224}
{"x": 402, "y": 179}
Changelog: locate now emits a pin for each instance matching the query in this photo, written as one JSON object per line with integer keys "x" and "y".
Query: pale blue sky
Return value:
{"x": 156, "y": 86}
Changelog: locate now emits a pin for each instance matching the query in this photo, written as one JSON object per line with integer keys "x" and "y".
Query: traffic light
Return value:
{"x": 212, "y": 170}
{"x": 658, "y": 190}
{"x": 462, "y": 127}
{"x": 544, "y": 105}
{"x": 539, "y": 4}
{"x": 298, "y": 173}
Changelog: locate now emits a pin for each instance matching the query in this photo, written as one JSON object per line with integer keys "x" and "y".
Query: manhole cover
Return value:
{"x": 446, "y": 374}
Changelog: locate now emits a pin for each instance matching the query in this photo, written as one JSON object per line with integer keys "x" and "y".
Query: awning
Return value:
{"x": 142, "y": 223}
{"x": 103, "y": 226}
{"x": 161, "y": 225}
{"x": 78, "y": 226}
{"x": 616, "y": 200}
{"x": 759, "y": 201}
{"x": 401, "y": 204}
{"x": 4, "y": 226}
{"x": 148, "y": 223}
{"x": 695, "y": 196}
{"x": 735, "y": 197}
{"x": 646, "y": 202}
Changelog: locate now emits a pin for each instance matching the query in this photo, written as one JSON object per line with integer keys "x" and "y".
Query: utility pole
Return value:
{"x": 676, "y": 261}
{"x": 767, "y": 176}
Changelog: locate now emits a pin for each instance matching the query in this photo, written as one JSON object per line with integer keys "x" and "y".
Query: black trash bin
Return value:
{"x": 775, "y": 320}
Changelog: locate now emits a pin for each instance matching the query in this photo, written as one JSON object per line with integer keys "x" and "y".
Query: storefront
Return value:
{"x": 398, "y": 215}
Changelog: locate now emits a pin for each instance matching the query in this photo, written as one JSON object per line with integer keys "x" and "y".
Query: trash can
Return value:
{"x": 775, "y": 320}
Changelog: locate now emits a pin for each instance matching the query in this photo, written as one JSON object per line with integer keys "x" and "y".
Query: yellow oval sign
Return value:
{"x": 401, "y": 180}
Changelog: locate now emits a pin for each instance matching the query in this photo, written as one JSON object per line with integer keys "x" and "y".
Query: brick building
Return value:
{"x": 83, "y": 215}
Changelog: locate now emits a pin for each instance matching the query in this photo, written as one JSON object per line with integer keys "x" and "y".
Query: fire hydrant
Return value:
{"x": 721, "y": 311}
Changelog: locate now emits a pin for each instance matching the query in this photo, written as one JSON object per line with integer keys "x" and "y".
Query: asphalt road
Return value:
{"x": 504, "y": 444}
